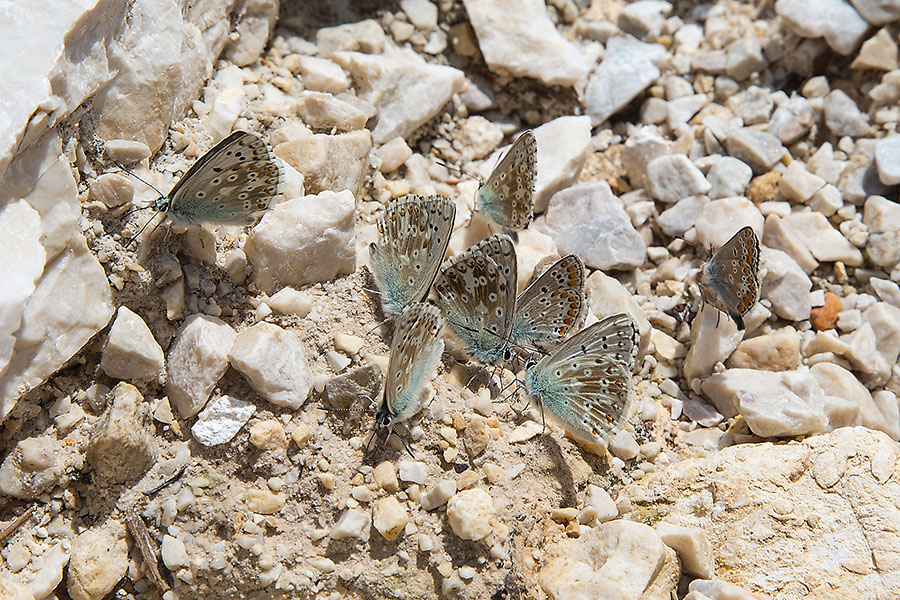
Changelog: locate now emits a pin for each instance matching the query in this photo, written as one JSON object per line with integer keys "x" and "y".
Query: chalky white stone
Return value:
{"x": 518, "y": 38}
{"x": 628, "y": 67}
{"x": 887, "y": 159}
{"x": 274, "y": 362}
{"x": 131, "y": 352}
{"x": 354, "y": 523}
{"x": 835, "y": 20}
{"x": 469, "y": 513}
{"x": 220, "y": 421}
{"x": 197, "y": 359}
{"x": 671, "y": 178}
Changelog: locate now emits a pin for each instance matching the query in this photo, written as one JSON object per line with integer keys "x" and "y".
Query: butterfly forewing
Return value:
{"x": 232, "y": 184}
{"x": 507, "y": 197}
{"x": 587, "y": 381}
{"x": 552, "y": 306}
{"x": 476, "y": 290}
{"x": 413, "y": 234}
{"x": 730, "y": 279}
{"x": 415, "y": 353}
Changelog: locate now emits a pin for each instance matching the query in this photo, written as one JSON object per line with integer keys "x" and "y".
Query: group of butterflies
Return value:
{"x": 585, "y": 381}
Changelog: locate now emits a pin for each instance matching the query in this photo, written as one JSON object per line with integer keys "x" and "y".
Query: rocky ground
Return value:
{"x": 173, "y": 397}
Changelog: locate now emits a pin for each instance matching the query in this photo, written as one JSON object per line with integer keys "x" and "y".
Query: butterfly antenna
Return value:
{"x": 144, "y": 181}
{"x": 141, "y": 230}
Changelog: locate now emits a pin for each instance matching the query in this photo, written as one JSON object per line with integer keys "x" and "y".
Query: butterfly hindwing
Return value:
{"x": 476, "y": 290}
{"x": 415, "y": 353}
{"x": 587, "y": 381}
{"x": 730, "y": 279}
{"x": 552, "y": 306}
{"x": 507, "y": 197}
{"x": 231, "y": 184}
{"x": 413, "y": 234}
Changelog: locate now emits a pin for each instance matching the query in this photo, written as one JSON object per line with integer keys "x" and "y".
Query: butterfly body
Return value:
{"x": 551, "y": 306}
{"x": 232, "y": 184}
{"x": 476, "y": 291}
{"x": 507, "y": 197}
{"x": 413, "y": 236}
{"x": 730, "y": 279}
{"x": 586, "y": 382}
{"x": 415, "y": 353}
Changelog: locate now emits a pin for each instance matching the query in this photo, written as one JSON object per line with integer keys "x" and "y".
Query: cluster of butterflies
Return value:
{"x": 585, "y": 381}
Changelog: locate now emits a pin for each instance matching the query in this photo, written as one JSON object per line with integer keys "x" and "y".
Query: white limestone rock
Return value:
{"x": 887, "y": 159}
{"x": 274, "y": 362}
{"x": 197, "y": 360}
{"x": 72, "y": 302}
{"x": 779, "y": 235}
{"x": 393, "y": 154}
{"x": 470, "y": 513}
{"x": 438, "y": 495}
{"x": 608, "y": 296}
{"x": 691, "y": 545}
{"x": 304, "y": 241}
{"x": 785, "y": 285}
{"x": 838, "y": 382}
{"x": 33, "y": 466}
{"x": 772, "y": 404}
{"x": 799, "y": 185}
{"x": 50, "y": 573}
{"x": 728, "y": 177}
{"x": 588, "y": 220}
{"x": 364, "y": 36}
{"x": 754, "y": 518}
{"x": 627, "y": 69}
{"x": 681, "y": 216}
{"x": 320, "y": 110}
{"x": 644, "y": 19}
{"x": 174, "y": 554}
{"x": 412, "y": 471}
{"x": 759, "y": 149}
{"x": 714, "y": 336}
{"x": 389, "y": 517}
{"x": 322, "y": 75}
{"x": 825, "y": 242}
{"x": 221, "y": 420}
{"x": 673, "y": 177}
{"x": 406, "y": 91}
{"x": 24, "y": 257}
{"x": 518, "y": 38}
{"x": 99, "y": 560}
{"x": 835, "y": 20}
{"x": 842, "y": 115}
{"x": 254, "y": 24}
{"x": 325, "y": 162}
{"x": 353, "y": 523}
{"x": 131, "y": 352}
{"x": 877, "y": 12}
{"x": 289, "y": 301}
{"x": 721, "y": 219}
{"x": 563, "y": 145}
{"x": 618, "y": 559}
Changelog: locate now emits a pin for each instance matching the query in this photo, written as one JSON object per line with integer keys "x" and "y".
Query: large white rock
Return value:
{"x": 563, "y": 145}
{"x": 71, "y": 303}
{"x": 619, "y": 559}
{"x": 274, "y": 362}
{"x": 766, "y": 498}
{"x": 407, "y": 91}
{"x": 608, "y": 296}
{"x": 23, "y": 259}
{"x": 673, "y": 177}
{"x": 197, "y": 360}
{"x": 785, "y": 285}
{"x": 825, "y": 242}
{"x": 627, "y": 69}
{"x": 304, "y": 241}
{"x": 835, "y": 20}
{"x": 470, "y": 513}
{"x": 221, "y": 420}
{"x": 714, "y": 336}
{"x": 721, "y": 219}
{"x": 887, "y": 159}
{"x": 255, "y": 22}
{"x": 98, "y": 561}
{"x": 588, "y": 220}
{"x": 131, "y": 352}
{"x": 772, "y": 404}
{"x": 518, "y": 38}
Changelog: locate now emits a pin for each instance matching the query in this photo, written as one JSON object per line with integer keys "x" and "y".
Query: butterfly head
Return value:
{"x": 162, "y": 204}
{"x": 384, "y": 418}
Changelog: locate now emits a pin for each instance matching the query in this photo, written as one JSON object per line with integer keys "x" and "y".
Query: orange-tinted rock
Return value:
{"x": 764, "y": 188}
{"x": 826, "y": 316}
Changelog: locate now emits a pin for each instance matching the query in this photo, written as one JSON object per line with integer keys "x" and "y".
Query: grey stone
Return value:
{"x": 627, "y": 69}
{"x": 878, "y": 12}
{"x": 759, "y": 149}
{"x": 673, "y": 177}
{"x": 887, "y": 159}
{"x": 835, "y": 20}
{"x": 681, "y": 216}
{"x": 122, "y": 446}
{"x": 728, "y": 177}
{"x": 842, "y": 115}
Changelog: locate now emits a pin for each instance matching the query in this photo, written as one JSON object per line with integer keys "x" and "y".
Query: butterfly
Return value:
{"x": 507, "y": 197}
{"x": 586, "y": 382}
{"x": 730, "y": 279}
{"x": 415, "y": 352}
{"x": 413, "y": 234}
{"x": 232, "y": 184}
{"x": 476, "y": 290}
{"x": 551, "y": 306}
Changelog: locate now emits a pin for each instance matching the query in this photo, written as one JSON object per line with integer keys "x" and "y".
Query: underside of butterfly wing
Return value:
{"x": 552, "y": 306}
{"x": 507, "y": 197}
{"x": 234, "y": 183}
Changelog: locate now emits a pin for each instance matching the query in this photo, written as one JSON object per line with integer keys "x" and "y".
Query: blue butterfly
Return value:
{"x": 507, "y": 197}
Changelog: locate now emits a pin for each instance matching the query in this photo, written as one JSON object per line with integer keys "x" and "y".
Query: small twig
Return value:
{"x": 20, "y": 520}
{"x": 141, "y": 537}
{"x": 168, "y": 481}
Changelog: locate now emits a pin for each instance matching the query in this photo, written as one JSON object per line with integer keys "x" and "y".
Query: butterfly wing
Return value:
{"x": 587, "y": 381}
{"x": 730, "y": 279}
{"x": 476, "y": 290}
{"x": 507, "y": 197}
{"x": 551, "y": 306}
{"x": 231, "y": 184}
{"x": 415, "y": 353}
{"x": 413, "y": 234}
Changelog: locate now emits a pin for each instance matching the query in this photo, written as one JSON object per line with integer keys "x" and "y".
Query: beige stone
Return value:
{"x": 122, "y": 445}
{"x": 329, "y": 162}
{"x": 389, "y": 517}
{"x": 99, "y": 560}
{"x": 777, "y": 351}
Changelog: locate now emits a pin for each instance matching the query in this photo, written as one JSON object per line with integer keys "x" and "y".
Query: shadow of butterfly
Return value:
{"x": 730, "y": 278}
{"x": 413, "y": 234}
